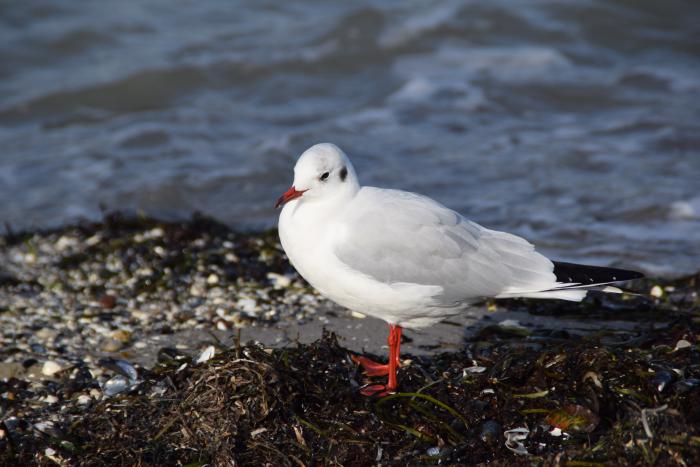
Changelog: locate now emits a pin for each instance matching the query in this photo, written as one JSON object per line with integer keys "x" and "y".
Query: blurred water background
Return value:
{"x": 574, "y": 124}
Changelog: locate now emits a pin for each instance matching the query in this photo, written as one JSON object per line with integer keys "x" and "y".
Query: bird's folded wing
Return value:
{"x": 400, "y": 237}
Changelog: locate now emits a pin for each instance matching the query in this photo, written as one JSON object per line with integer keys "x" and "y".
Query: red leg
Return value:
{"x": 394, "y": 349}
{"x": 372, "y": 368}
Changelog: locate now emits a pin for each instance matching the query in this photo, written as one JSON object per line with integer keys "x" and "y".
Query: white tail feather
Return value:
{"x": 572, "y": 295}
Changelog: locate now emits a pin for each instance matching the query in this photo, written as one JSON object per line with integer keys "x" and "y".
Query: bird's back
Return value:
{"x": 397, "y": 236}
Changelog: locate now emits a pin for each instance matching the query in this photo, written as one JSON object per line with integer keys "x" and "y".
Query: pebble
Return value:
{"x": 108, "y": 301}
{"x": 50, "y": 399}
{"x": 196, "y": 290}
{"x": 11, "y": 370}
{"x": 239, "y": 319}
{"x": 94, "y": 240}
{"x": 656, "y": 291}
{"x": 64, "y": 243}
{"x": 84, "y": 399}
{"x": 111, "y": 345}
{"x": 46, "y": 334}
{"x": 122, "y": 336}
{"x": 511, "y": 323}
{"x": 279, "y": 281}
{"x": 50, "y": 368}
{"x": 247, "y": 304}
{"x": 433, "y": 451}
{"x": 212, "y": 279}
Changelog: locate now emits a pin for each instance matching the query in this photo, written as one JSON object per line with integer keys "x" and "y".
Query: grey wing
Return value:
{"x": 400, "y": 237}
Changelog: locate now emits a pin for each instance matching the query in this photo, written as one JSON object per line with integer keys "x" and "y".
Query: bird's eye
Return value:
{"x": 324, "y": 176}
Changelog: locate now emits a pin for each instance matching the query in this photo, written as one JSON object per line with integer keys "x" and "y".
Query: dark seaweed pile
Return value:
{"x": 608, "y": 398}
{"x": 629, "y": 403}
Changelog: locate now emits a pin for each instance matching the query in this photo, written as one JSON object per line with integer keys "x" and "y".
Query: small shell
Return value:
{"x": 121, "y": 367}
{"x": 206, "y": 354}
{"x": 115, "y": 385}
{"x": 128, "y": 370}
{"x": 514, "y": 438}
{"x": 473, "y": 369}
{"x": 683, "y": 344}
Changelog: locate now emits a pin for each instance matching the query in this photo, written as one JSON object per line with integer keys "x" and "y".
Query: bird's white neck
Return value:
{"x": 328, "y": 204}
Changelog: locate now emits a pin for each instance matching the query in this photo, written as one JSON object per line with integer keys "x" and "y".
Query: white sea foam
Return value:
{"x": 685, "y": 209}
{"x": 522, "y": 63}
{"x": 424, "y": 20}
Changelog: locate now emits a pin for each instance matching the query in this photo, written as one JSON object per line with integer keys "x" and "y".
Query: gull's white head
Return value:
{"x": 321, "y": 172}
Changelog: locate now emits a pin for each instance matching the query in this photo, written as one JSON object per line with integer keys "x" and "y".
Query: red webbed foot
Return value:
{"x": 376, "y": 390}
{"x": 370, "y": 367}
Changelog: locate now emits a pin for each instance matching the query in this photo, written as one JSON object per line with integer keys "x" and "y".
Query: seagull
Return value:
{"x": 407, "y": 259}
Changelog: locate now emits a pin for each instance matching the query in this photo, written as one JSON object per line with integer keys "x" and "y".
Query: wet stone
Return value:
{"x": 490, "y": 431}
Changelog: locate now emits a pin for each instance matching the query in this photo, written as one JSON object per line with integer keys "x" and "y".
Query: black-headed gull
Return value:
{"x": 407, "y": 259}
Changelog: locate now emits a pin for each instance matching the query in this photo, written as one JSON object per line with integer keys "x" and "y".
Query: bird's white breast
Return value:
{"x": 306, "y": 240}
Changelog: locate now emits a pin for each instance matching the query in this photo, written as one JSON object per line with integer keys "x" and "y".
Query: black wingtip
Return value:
{"x": 591, "y": 275}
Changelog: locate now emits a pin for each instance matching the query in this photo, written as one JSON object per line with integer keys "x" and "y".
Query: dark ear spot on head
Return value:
{"x": 343, "y": 174}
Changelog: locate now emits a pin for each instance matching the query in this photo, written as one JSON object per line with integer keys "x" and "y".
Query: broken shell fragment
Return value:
{"x": 514, "y": 438}
{"x": 206, "y": 355}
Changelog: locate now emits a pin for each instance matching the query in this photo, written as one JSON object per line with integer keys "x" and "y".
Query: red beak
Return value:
{"x": 289, "y": 195}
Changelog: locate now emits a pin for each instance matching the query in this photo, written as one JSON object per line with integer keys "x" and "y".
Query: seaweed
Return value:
{"x": 300, "y": 406}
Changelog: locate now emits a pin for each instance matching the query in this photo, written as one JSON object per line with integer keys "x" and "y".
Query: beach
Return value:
{"x": 134, "y": 341}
